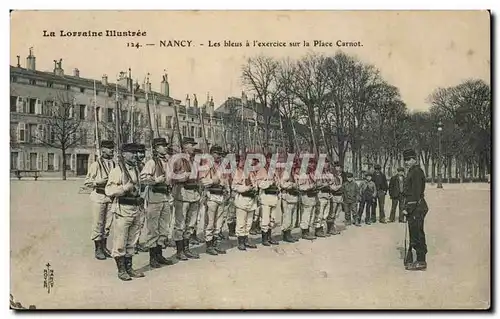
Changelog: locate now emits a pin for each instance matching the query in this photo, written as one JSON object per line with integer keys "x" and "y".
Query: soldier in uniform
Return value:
{"x": 396, "y": 187}
{"x": 308, "y": 199}
{"x": 158, "y": 213}
{"x": 216, "y": 187}
{"x": 141, "y": 156}
{"x": 336, "y": 192}
{"x": 124, "y": 185}
{"x": 97, "y": 178}
{"x": 230, "y": 208}
{"x": 187, "y": 197}
{"x": 245, "y": 202}
{"x": 323, "y": 183}
{"x": 415, "y": 209}
{"x": 289, "y": 199}
{"x": 268, "y": 197}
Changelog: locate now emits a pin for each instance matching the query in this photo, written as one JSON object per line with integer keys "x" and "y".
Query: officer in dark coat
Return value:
{"x": 380, "y": 181}
{"x": 415, "y": 209}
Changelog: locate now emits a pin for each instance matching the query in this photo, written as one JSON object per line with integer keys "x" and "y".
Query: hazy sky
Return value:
{"x": 416, "y": 51}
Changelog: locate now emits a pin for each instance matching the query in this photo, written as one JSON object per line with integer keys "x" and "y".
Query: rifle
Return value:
{"x": 148, "y": 113}
{"x": 118, "y": 140}
{"x": 131, "y": 115}
{"x": 179, "y": 135}
{"x": 203, "y": 130}
{"x": 96, "y": 121}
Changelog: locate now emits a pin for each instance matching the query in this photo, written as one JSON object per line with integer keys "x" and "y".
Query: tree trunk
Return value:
{"x": 433, "y": 178}
{"x": 63, "y": 150}
{"x": 391, "y": 164}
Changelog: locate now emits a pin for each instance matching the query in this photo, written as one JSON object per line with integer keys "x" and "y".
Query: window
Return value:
{"x": 49, "y": 107}
{"x": 13, "y": 103}
{"x": 50, "y": 161}
{"x": 32, "y": 82}
{"x": 32, "y": 106}
{"x": 83, "y": 112}
{"x": 168, "y": 122}
{"x": 14, "y": 79}
{"x": 68, "y": 162}
{"x": 33, "y": 161}
{"x": 83, "y": 136}
{"x": 209, "y": 134}
{"x": 68, "y": 87}
{"x": 22, "y": 132}
{"x": 97, "y": 109}
{"x": 82, "y": 90}
{"x": 110, "y": 115}
{"x": 32, "y": 136}
{"x": 191, "y": 131}
{"x": 200, "y": 133}
{"x": 184, "y": 131}
{"x": 14, "y": 156}
{"x": 50, "y": 84}
{"x": 13, "y": 132}
{"x": 192, "y": 119}
{"x": 52, "y": 136}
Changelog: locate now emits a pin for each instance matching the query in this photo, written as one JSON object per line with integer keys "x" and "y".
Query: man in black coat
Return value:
{"x": 396, "y": 187}
{"x": 380, "y": 181}
{"x": 415, "y": 210}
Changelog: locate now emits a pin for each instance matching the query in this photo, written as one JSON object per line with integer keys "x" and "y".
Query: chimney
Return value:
{"x": 195, "y": 102}
{"x": 30, "y": 61}
{"x": 18, "y": 61}
{"x": 165, "y": 87}
{"x": 104, "y": 79}
{"x": 58, "y": 70}
{"x": 76, "y": 73}
{"x": 188, "y": 101}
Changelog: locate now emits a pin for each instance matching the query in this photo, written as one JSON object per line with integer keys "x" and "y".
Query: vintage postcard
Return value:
{"x": 250, "y": 160}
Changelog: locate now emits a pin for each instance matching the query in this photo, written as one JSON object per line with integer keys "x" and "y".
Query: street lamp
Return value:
{"x": 440, "y": 181}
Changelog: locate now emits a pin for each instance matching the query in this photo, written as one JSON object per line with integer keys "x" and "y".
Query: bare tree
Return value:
{"x": 63, "y": 126}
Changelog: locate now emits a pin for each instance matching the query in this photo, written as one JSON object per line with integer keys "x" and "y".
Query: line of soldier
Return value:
{"x": 137, "y": 199}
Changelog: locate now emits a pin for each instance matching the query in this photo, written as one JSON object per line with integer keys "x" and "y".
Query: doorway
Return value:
{"x": 82, "y": 163}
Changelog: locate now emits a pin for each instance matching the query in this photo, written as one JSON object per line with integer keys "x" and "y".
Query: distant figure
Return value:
{"x": 381, "y": 183}
{"x": 368, "y": 195}
{"x": 396, "y": 186}
{"x": 350, "y": 200}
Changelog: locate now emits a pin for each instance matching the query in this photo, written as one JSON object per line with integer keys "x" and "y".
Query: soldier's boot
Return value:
{"x": 420, "y": 264}
{"x": 334, "y": 230}
{"x": 241, "y": 243}
{"x": 153, "y": 261}
{"x": 210, "y": 247}
{"x": 130, "y": 271}
{"x": 319, "y": 232}
{"x": 325, "y": 230}
{"x": 122, "y": 271}
{"x": 265, "y": 239}
{"x": 189, "y": 254}
{"x": 408, "y": 258}
{"x": 292, "y": 237}
{"x": 217, "y": 247}
{"x": 254, "y": 230}
{"x": 248, "y": 244}
{"x": 270, "y": 238}
{"x": 179, "y": 244}
{"x": 99, "y": 253}
{"x": 105, "y": 249}
{"x": 367, "y": 221}
{"x": 232, "y": 229}
{"x": 348, "y": 222}
{"x": 287, "y": 236}
{"x": 159, "y": 257}
{"x": 306, "y": 235}
{"x": 194, "y": 239}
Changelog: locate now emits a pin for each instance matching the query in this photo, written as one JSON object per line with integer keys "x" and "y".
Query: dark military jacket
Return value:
{"x": 414, "y": 186}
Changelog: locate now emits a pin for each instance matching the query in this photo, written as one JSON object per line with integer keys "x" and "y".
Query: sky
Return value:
{"x": 417, "y": 51}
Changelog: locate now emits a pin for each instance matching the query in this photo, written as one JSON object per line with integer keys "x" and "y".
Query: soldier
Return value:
{"x": 124, "y": 185}
{"x": 350, "y": 199}
{"x": 336, "y": 198}
{"x": 380, "y": 181}
{"x": 198, "y": 235}
{"x": 245, "y": 202}
{"x": 268, "y": 197}
{"x": 308, "y": 199}
{"x": 158, "y": 213}
{"x": 141, "y": 156}
{"x": 290, "y": 199}
{"x": 231, "y": 209}
{"x": 216, "y": 187}
{"x": 97, "y": 178}
{"x": 368, "y": 195}
{"x": 415, "y": 209}
{"x": 323, "y": 183}
{"x": 187, "y": 197}
{"x": 396, "y": 188}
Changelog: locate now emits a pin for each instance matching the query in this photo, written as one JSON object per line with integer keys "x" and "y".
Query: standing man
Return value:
{"x": 350, "y": 199}
{"x": 245, "y": 202}
{"x": 308, "y": 199}
{"x": 268, "y": 197}
{"x": 381, "y": 184}
{"x": 415, "y": 209}
{"x": 125, "y": 186}
{"x": 396, "y": 188}
{"x": 158, "y": 213}
{"x": 187, "y": 197}
{"x": 141, "y": 156}
{"x": 102, "y": 215}
{"x": 289, "y": 200}
{"x": 323, "y": 182}
{"x": 231, "y": 209}
{"x": 215, "y": 187}
{"x": 336, "y": 199}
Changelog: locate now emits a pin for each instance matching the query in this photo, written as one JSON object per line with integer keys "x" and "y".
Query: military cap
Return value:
{"x": 377, "y": 166}
{"x": 409, "y": 153}
{"x": 141, "y": 148}
{"x": 349, "y": 174}
{"x": 188, "y": 140}
{"x": 159, "y": 141}
{"x": 130, "y": 147}
{"x": 216, "y": 149}
{"x": 107, "y": 144}
{"x": 400, "y": 169}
